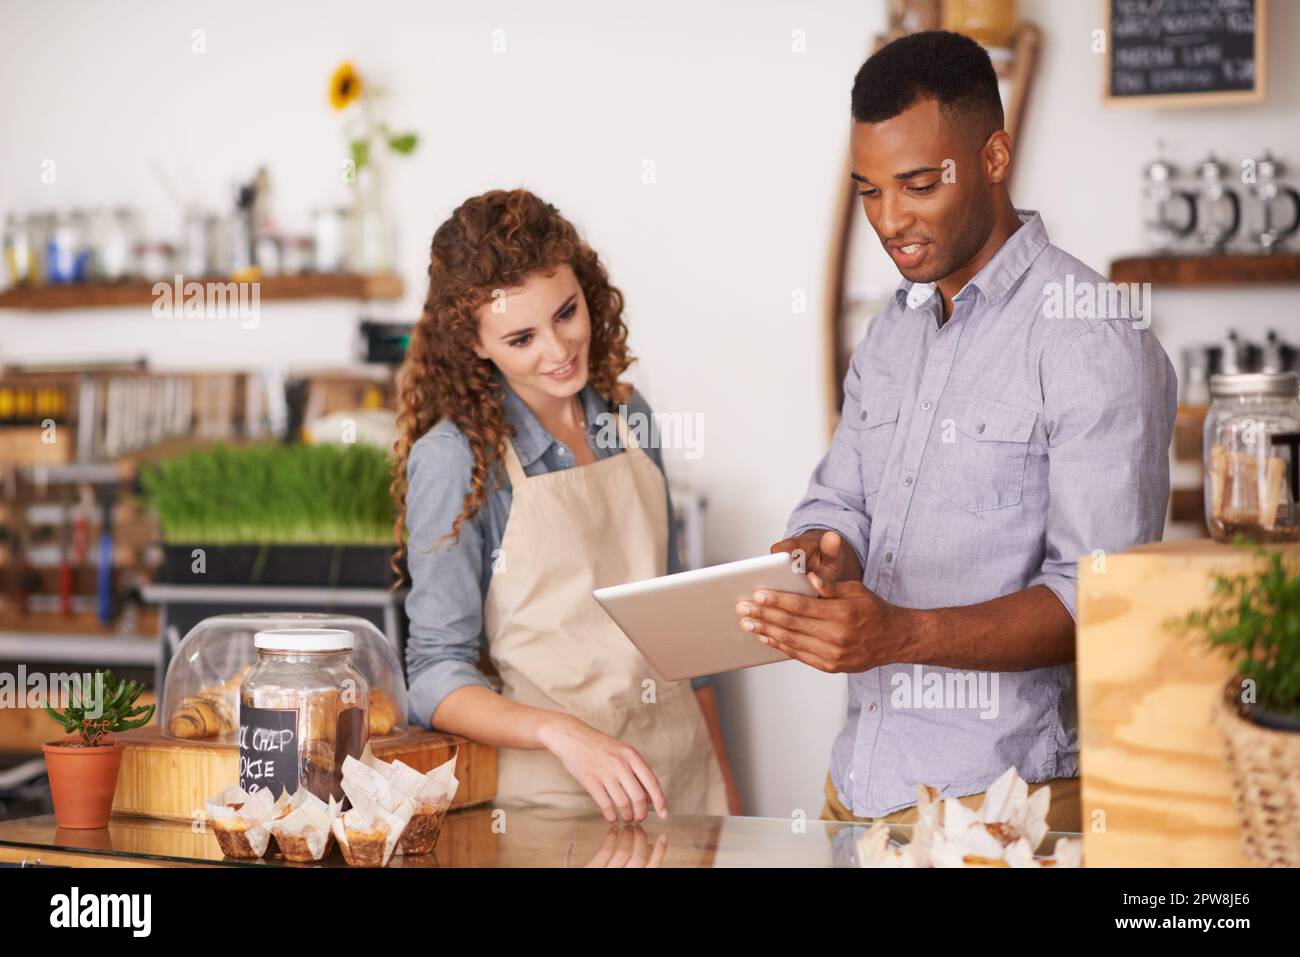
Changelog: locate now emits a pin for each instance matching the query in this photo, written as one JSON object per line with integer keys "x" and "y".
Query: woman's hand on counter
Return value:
{"x": 630, "y": 847}
{"x": 613, "y": 773}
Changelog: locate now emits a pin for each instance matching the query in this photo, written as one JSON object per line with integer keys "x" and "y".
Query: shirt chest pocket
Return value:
{"x": 873, "y": 423}
{"x": 976, "y": 455}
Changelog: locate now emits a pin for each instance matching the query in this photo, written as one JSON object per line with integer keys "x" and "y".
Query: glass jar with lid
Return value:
{"x": 303, "y": 708}
{"x": 200, "y": 696}
{"x": 1252, "y": 446}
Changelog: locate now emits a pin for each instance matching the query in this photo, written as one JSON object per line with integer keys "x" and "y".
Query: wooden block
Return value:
{"x": 22, "y": 445}
{"x": 1188, "y": 505}
{"x": 1189, "y": 431}
{"x": 171, "y": 779}
{"x": 1156, "y": 791}
{"x": 24, "y": 730}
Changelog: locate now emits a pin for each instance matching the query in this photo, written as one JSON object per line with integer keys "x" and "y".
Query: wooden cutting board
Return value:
{"x": 171, "y": 779}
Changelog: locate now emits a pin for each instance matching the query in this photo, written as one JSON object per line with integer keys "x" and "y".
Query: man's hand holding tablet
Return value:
{"x": 846, "y": 628}
{"x": 824, "y": 553}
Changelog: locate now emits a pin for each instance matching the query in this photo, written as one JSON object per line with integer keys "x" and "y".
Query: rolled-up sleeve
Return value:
{"x": 1109, "y": 407}
{"x": 445, "y": 603}
{"x": 835, "y": 499}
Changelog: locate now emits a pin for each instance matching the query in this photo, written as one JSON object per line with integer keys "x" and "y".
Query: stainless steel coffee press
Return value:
{"x": 1265, "y": 193}
{"x": 1158, "y": 198}
{"x": 1219, "y": 207}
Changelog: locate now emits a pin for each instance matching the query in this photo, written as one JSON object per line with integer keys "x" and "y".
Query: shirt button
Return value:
{"x": 907, "y": 480}
{"x": 980, "y": 427}
{"x": 889, "y": 557}
{"x": 862, "y": 416}
{"x": 926, "y": 405}
{"x": 871, "y": 707}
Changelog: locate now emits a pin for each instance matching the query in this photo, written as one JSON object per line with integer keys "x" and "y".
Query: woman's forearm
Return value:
{"x": 484, "y": 715}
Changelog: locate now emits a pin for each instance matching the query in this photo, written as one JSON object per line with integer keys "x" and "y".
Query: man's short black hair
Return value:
{"x": 947, "y": 67}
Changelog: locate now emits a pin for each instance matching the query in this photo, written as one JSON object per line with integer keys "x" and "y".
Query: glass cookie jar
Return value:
{"x": 200, "y": 699}
{"x": 1252, "y": 448}
{"x": 302, "y": 710}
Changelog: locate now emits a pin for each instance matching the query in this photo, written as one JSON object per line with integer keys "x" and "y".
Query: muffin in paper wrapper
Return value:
{"x": 1004, "y": 832}
{"x": 368, "y": 833}
{"x": 303, "y": 827}
{"x": 389, "y": 782}
{"x": 241, "y": 820}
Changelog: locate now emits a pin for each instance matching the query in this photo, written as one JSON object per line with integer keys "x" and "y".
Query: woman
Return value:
{"x": 515, "y": 512}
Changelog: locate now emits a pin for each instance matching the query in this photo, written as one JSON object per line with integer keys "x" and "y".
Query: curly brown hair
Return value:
{"x": 493, "y": 241}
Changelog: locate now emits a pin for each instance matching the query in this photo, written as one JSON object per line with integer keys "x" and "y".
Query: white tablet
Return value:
{"x": 686, "y": 624}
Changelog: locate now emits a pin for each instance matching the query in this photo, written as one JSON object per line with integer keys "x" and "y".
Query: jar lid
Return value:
{"x": 1285, "y": 384}
{"x": 304, "y": 639}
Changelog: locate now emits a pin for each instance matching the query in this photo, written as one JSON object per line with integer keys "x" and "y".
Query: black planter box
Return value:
{"x": 343, "y": 566}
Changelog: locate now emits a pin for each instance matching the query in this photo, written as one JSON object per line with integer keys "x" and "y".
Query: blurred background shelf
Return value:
{"x": 86, "y": 649}
{"x": 1224, "y": 269}
{"x": 382, "y": 286}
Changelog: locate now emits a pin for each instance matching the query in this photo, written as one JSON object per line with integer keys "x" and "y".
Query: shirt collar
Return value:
{"x": 999, "y": 274}
{"x": 531, "y": 439}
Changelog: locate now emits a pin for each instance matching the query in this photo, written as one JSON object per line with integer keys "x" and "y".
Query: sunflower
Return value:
{"x": 345, "y": 86}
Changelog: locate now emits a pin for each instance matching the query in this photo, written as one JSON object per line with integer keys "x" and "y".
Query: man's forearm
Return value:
{"x": 1017, "y": 632}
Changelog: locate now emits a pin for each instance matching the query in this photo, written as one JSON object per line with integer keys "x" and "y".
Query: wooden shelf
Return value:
{"x": 98, "y": 295}
{"x": 1222, "y": 269}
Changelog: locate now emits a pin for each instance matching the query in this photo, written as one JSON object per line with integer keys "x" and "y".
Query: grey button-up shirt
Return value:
{"x": 973, "y": 459}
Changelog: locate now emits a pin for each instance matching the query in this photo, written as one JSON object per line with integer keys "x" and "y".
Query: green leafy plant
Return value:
{"x": 1255, "y": 617}
{"x": 92, "y": 717}
{"x": 274, "y": 494}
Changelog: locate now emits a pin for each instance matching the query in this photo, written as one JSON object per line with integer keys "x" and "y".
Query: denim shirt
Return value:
{"x": 450, "y": 582}
{"x": 975, "y": 458}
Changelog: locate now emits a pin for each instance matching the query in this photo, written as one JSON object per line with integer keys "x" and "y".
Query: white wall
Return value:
{"x": 1081, "y": 163}
{"x": 747, "y": 138}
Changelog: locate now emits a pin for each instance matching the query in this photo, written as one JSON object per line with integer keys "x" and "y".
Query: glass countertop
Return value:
{"x": 502, "y": 836}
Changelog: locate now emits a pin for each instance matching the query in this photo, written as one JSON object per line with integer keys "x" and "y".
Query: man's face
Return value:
{"x": 922, "y": 183}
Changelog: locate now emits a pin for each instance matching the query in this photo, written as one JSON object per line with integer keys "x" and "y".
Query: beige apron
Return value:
{"x": 569, "y": 532}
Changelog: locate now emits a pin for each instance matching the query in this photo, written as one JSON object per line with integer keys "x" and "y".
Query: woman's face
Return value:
{"x": 538, "y": 334}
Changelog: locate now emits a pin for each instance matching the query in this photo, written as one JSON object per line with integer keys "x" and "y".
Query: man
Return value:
{"x": 984, "y": 446}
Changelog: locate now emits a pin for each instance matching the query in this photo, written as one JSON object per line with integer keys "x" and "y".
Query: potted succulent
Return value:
{"x": 1254, "y": 617}
{"x": 83, "y": 768}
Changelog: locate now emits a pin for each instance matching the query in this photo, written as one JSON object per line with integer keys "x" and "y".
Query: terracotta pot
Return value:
{"x": 82, "y": 782}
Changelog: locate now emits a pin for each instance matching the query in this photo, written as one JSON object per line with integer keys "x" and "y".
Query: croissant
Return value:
{"x": 226, "y": 707}
{"x": 195, "y": 718}
{"x": 209, "y": 712}
{"x": 383, "y": 716}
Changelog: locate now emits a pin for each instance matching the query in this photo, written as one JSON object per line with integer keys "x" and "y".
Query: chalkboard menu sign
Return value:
{"x": 1172, "y": 52}
{"x": 268, "y": 749}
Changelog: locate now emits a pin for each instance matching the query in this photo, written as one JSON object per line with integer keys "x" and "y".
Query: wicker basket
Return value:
{"x": 1265, "y": 767}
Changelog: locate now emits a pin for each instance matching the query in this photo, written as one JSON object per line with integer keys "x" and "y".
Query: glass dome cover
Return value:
{"x": 201, "y": 692}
